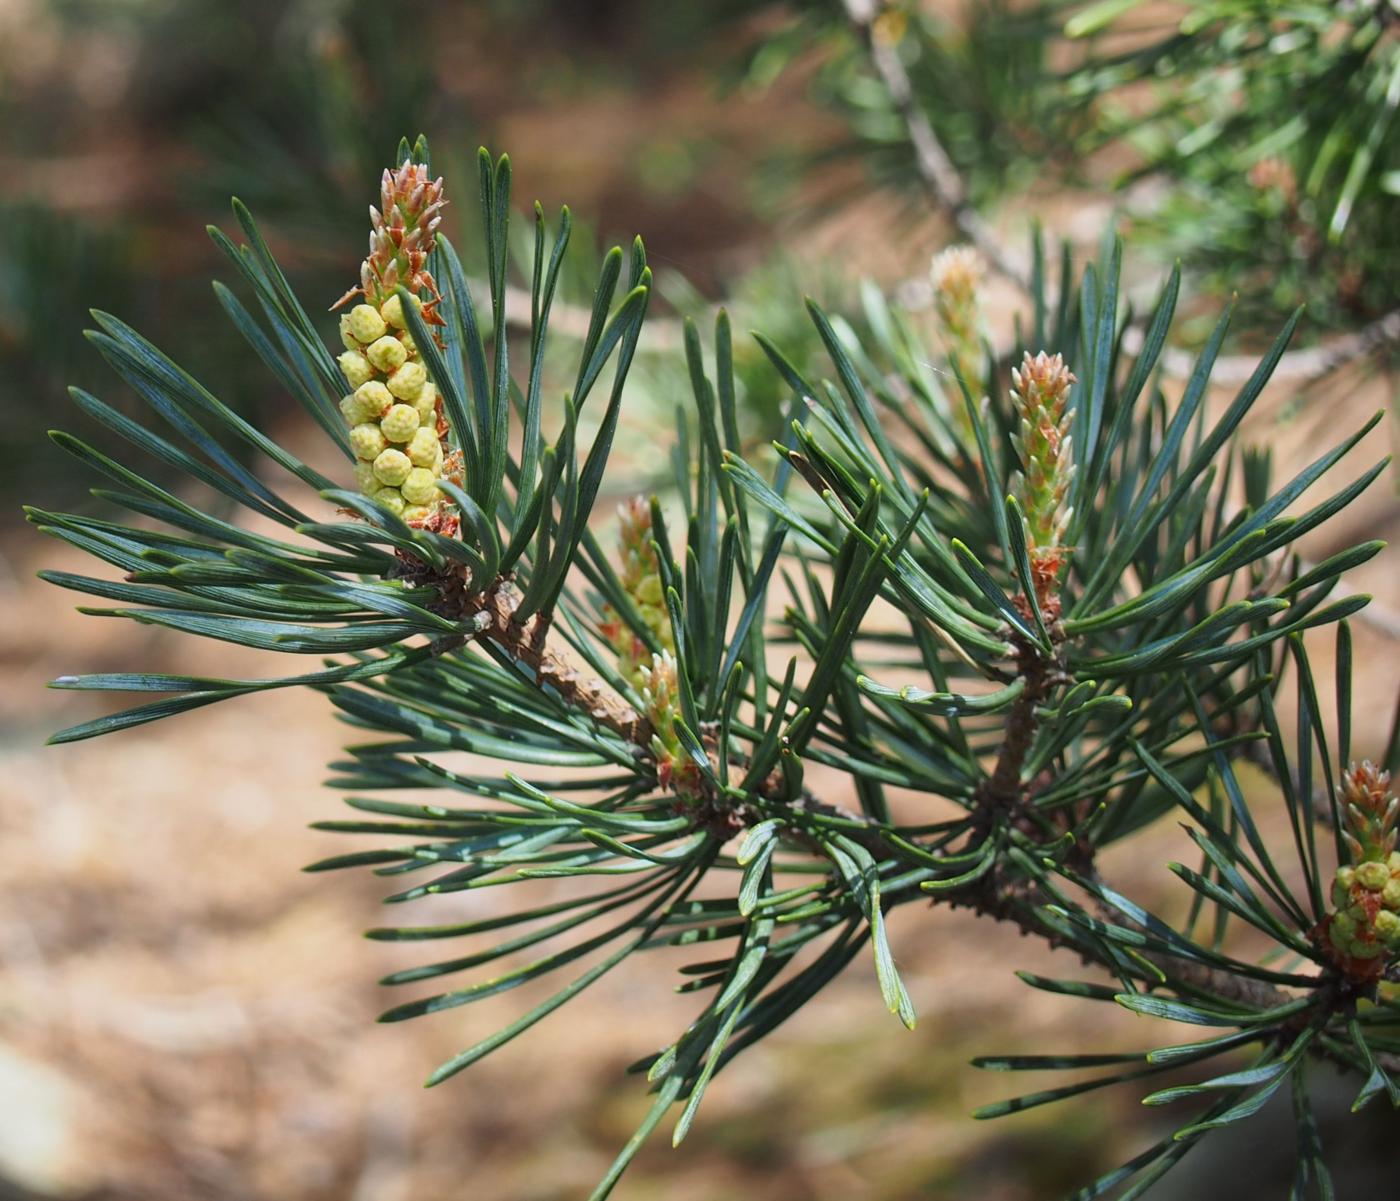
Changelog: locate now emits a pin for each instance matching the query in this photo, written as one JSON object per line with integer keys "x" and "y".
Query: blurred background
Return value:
{"x": 182, "y": 1013}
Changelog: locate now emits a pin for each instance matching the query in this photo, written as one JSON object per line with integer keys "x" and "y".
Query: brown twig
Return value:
{"x": 489, "y": 616}
{"x": 1004, "y": 789}
{"x": 528, "y": 645}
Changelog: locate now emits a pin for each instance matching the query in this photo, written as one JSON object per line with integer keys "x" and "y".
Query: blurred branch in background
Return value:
{"x": 1184, "y": 115}
{"x": 936, "y": 170}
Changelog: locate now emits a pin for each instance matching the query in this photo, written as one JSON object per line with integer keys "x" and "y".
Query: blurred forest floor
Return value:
{"x": 183, "y": 1014}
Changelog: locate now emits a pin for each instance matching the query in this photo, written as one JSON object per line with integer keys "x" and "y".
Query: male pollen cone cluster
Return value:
{"x": 1362, "y": 934}
{"x": 397, "y": 429}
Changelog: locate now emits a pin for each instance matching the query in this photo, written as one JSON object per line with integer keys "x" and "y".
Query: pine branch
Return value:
{"x": 1106, "y": 666}
{"x": 1004, "y": 896}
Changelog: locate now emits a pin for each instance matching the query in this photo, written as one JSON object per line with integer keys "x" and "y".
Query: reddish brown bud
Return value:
{"x": 1369, "y": 810}
{"x": 403, "y": 234}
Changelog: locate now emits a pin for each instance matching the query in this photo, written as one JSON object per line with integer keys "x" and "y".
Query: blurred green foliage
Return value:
{"x": 983, "y": 75}
{"x": 1269, "y": 132}
{"x": 292, "y": 104}
{"x": 1254, "y": 141}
